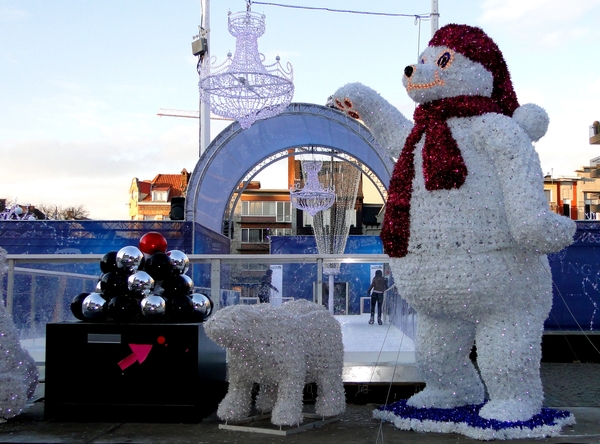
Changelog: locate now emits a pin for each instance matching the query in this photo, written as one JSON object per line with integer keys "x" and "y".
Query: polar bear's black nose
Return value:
{"x": 408, "y": 71}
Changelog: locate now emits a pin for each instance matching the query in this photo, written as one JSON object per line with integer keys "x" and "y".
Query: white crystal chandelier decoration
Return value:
{"x": 313, "y": 197}
{"x": 242, "y": 88}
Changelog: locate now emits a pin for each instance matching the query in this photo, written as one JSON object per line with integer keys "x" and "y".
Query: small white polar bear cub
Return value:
{"x": 282, "y": 349}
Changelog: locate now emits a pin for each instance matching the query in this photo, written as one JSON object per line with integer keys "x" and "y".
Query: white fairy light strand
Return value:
{"x": 331, "y": 228}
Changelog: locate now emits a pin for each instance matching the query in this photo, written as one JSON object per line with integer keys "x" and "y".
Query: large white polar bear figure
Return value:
{"x": 282, "y": 349}
{"x": 467, "y": 224}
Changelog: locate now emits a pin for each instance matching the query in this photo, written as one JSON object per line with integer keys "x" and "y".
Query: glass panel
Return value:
{"x": 284, "y": 212}
{"x": 307, "y": 219}
{"x": 255, "y": 208}
{"x": 269, "y": 208}
{"x": 254, "y": 235}
{"x": 288, "y": 211}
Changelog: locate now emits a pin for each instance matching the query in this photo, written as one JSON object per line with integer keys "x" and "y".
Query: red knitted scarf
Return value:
{"x": 443, "y": 165}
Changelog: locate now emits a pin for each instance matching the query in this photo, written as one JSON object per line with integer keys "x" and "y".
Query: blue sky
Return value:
{"x": 81, "y": 81}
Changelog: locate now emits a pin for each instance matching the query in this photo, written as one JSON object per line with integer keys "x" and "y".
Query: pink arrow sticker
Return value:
{"x": 140, "y": 353}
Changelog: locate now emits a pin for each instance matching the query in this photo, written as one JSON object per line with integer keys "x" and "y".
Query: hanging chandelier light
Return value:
{"x": 242, "y": 88}
{"x": 313, "y": 197}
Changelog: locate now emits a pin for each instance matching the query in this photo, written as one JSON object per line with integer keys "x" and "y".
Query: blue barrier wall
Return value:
{"x": 34, "y": 300}
{"x": 576, "y": 277}
{"x": 99, "y": 237}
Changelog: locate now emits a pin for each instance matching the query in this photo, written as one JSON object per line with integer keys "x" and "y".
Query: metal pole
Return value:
{"x": 10, "y": 286}
{"x": 320, "y": 281}
{"x": 215, "y": 282}
{"x": 331, "y": 285}
{"x": 204, "y": 120}
{"x": 435, "y": 25}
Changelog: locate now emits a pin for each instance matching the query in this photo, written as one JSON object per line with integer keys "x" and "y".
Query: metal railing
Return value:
{"x": 16, "y": 262}
{"x": 38, "y": 288}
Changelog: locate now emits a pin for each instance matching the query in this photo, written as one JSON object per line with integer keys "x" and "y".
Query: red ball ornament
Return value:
{"x": 153, "y": 242}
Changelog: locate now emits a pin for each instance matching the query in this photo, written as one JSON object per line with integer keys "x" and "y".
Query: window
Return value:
{"x": 307, "y": 219}
{"x": 284, "y": 211}
{"x": 251, "y": 208}
{"x": 567, "y": 207}
{"x": 281, "y": 231}
{"x": 159, "y": 196}
{"x": 351, "y": 217}
{"x": 260, "y": 208}
{"x": 255, "y": 235}
{"x": 269, "y": 208}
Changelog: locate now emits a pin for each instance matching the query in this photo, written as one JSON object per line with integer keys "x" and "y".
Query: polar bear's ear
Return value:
{"x": 533, "y": 119}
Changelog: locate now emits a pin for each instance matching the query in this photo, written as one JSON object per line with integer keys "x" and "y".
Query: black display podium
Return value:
{"x": 143, "y": 372}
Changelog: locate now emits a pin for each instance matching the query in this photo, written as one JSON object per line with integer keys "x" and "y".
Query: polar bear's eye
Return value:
{"x": 444, "y": 60}
{"x": 422, "y": 61}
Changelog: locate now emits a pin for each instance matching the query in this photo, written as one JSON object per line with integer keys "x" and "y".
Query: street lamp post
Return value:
{"x": 435, "y": 15}
{"x": 204, "y": 121}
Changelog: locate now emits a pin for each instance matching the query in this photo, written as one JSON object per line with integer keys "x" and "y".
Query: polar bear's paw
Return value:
{"x": 233, "y": 409}
{"x": 336, "y": 405}
{"x": 509, "y": 410}
{"x": 347, "y": 107}
{"x": 546, "y": 234}
{"x": 446, "y": 399}
{"x": 287, "y": 414}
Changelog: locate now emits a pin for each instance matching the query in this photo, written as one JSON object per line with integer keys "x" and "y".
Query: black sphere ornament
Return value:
{"x": 159, "y": 266}
{"x": 109, "y": 262}
{"x": 123, "y": 309}
{"x": 179, "y": 308}
{"x": 176, "y": 286}
{"x": 113, "y": 284}
{"x": 76, "y": 306}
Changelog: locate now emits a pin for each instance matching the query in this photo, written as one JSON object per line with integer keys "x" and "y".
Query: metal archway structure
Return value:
{"x": 236, "y": 152}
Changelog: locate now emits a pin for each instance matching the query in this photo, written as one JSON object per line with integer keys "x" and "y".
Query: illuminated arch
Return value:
{"x": 236, "y": 154}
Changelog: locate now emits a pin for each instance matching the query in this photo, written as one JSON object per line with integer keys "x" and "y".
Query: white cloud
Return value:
{"x": 95, "y": 172}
